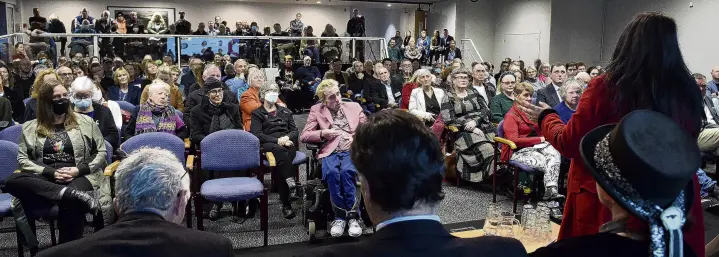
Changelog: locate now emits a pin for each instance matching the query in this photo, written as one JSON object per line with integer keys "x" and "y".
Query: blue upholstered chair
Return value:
{"x": 8, "y": 165}
{"x": 125, "y": 106}
{"x": 516, "y": 167}
{"x": 12, "y": 134}
{"x": 230, "y": 150}
{"x": 163, "y": 141}
{"x": 24, "y": 101}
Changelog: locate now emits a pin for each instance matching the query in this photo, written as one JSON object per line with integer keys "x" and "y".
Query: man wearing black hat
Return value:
{"x": 643, "y": 167}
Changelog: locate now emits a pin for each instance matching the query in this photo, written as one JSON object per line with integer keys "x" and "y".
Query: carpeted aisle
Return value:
{"x": 463, "y": 207}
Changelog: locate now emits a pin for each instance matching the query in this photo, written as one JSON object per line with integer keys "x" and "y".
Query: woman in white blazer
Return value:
{"x": 425, "y": 100}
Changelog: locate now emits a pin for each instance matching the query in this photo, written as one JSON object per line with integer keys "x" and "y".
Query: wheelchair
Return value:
{"x": 317, "y": 210}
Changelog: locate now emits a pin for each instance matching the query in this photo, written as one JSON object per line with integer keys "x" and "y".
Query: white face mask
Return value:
{"x": 271, "y": 97}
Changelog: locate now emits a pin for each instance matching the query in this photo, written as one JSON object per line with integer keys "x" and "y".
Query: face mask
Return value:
{"x": 59, "y": 107}
{"x": 82, "y": 104}
{"x": 271, "y": 97}
{"x": 437, "y": 70}
{"x": 85, "y": 27}
{"x": 135, "y": 30}
{"x": 254, "y": 28}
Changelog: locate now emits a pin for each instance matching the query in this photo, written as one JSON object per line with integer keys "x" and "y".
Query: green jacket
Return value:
{"x": 90, "y": 158}
{"x": 500, "y": 106}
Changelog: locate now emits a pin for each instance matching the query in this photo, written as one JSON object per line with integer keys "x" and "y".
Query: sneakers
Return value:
{"x": 338, "y": 228}
{"x": 355, "y": 230}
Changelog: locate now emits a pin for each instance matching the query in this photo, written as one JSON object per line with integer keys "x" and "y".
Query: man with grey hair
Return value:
{"x": 152, "y": 189}
{"x": 211, "y": 73}
{"x": 384, "y": 91}
{"x": 584, "y": 77}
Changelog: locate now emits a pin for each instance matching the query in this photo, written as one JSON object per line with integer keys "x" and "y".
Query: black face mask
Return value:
{"x": 60, "y": 106}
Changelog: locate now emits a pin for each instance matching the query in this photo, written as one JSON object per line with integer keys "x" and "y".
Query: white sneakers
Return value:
{"x": 337, "y": 228}
{"x": 355, "y": 230}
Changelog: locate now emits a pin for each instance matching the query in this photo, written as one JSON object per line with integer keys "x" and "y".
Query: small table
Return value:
{"x": 529, "y": 246}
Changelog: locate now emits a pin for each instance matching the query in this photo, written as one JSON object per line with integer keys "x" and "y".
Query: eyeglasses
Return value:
{"x": 66, "y": 74}
{"x": 216, "y": 91}
{"x": 461, "y": 77}
{"x": 508, "y": 83}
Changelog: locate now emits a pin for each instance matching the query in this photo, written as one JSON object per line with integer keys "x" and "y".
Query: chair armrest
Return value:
{"x": 110, "y": 169}
{"x": 453, "y": 128}
{"x": 505, "y": 141}
{"x": 271, "y": 159}
{"x": 187, "y": 143}
{"x": 312, "y": 147}
{"x": 190, "y": 165}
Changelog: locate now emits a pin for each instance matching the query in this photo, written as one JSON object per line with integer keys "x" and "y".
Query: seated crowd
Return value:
{"x": 425, "y": 115}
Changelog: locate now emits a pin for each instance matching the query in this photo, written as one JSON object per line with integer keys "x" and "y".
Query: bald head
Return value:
{"x": 715, "y": 74}
{"x": 583, "y": 76}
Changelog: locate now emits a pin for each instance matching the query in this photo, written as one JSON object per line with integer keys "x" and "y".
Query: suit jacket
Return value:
{"x": 423, "y": 238}
{"x": 133, "y": 94}
{"x": 145, "y": 234}
{"x": 710, "y": 105}
{"x": 548, "y": 95}
{"x": 378, "y": 93}
{"x": 320, "y": 118}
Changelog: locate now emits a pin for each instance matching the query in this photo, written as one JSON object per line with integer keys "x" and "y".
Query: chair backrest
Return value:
{"x": 125, "y": 106}
{"x": 179, "y": 114}
{"x": 8, "y": 159}
{"x": 12, "y": 133}
{"x": 161, "y": 140}
{"x": 109, "y": 151}
{"x": 230, "y": 150}
{"x": 500, "y": 129}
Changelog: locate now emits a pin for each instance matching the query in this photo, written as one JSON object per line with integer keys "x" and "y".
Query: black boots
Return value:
{"x": 82, "y": 199}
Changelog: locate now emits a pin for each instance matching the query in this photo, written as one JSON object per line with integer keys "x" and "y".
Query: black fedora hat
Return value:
{"x": 646, "y": 163}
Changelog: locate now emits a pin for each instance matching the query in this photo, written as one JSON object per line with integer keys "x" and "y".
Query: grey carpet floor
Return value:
{"x": 461, "y": 204}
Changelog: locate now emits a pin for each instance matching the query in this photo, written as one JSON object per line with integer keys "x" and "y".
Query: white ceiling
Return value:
{"x": 370, "y": 4}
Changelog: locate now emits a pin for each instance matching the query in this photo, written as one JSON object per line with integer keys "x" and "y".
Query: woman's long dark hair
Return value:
{"x": 647, "y": 71}
{"x": 45, "y": 115}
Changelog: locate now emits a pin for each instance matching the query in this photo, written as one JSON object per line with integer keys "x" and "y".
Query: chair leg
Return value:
{"x": 198, "y": 211}
{"x": 516, "y": 193}
{"x": 264, "y": 216}
{"x": 188, "y": 212}
{"x": 52, "y": 232}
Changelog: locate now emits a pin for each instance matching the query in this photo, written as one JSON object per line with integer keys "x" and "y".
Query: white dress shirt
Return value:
{"x": 556, "y": 88}
{"x": 390, "y": 95}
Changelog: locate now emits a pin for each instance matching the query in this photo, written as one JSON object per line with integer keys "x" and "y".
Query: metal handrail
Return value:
{"x": 474, "y": 47}
{"x": 194, "y": 36}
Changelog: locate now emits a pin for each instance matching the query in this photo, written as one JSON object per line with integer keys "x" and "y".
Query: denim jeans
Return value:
{"x": 340, "y": 175}
{"x": 705, "y": 182}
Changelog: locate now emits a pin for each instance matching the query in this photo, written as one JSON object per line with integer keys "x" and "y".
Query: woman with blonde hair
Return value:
{"x": 31, "y": 105}
{"x": 122, "y": 90}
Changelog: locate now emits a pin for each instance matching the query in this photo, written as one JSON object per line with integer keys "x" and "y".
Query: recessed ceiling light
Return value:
{"x": 319, "y": 2}
{"x": 388, "y": 5}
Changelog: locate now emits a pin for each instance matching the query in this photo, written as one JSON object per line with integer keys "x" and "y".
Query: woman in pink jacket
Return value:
{"x": 332, "y": 123}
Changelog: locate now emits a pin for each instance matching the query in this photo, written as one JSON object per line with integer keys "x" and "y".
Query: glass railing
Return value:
{"x": 265, "y": 51}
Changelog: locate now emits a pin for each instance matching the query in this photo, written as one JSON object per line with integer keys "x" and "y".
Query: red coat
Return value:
{"x": 406, "y": 92}
{"x": 583, "y": 213}
{"x": 516, "y": 128}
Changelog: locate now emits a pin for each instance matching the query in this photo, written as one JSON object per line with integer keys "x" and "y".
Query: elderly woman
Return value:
{"x": 531, "y": 77}
{"x": 504, "y": 101}
{"x": 570, "y": 92}
{"x": 122, "y": 91}
{"x": 156, "y": 115}
{"x": 81, "y": 93}
{"x": 532, "y": 150}
{"x": 213, "y": 114}
{"x": 61, "y": 157}
{"x": 198, "y": 92}
{"x": 250, "y": 100}
{"x": 424, "y": 101}
{"x": 411, "y": 51}
{"x": 464, "y": 108}
{"x": 275, "y": 127}
{"x": 332, "y": 123}
{"x": 31, "y": 105}
{"x": 166, "y": 74}
{"x": 356, "y": 80}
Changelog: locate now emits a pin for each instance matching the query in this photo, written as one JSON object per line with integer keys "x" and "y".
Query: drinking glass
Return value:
{"x": 507, "y": 224}
{"x": 492, "y": 220}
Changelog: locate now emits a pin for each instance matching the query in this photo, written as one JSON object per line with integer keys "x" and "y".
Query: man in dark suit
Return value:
{"x": 152, "y": 189}
{"x": 401, "y": 187}
{"x": 385, "y": 92}
{"x": 444, "y": 41}
{"x": 550, "y": 94}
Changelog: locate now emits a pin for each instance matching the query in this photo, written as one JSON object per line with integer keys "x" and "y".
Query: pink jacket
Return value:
{"x": 320, "y": 118}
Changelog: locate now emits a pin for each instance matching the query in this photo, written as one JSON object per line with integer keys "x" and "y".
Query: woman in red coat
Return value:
{"x": 646, "y": 72}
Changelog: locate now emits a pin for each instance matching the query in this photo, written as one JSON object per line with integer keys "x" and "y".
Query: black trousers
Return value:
{"x": 39, "y": 192}
{"x": 283, "y": 169}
